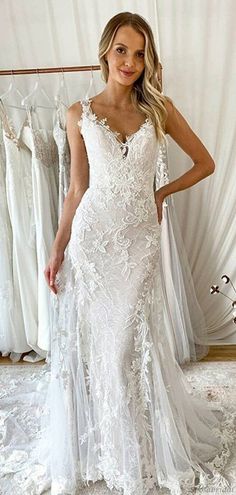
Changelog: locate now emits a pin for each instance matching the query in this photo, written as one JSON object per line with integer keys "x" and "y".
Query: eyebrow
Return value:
{"x": 140, "y": 50}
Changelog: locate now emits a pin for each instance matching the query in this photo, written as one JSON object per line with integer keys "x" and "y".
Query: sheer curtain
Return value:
{"x": 198, "y": 53}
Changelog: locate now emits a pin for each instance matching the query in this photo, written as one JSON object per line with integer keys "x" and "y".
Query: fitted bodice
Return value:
{"x": 126, "y": 168}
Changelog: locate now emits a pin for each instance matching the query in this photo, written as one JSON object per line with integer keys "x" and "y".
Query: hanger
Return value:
{"x": 38, "y": 88}
{"x": 12, "y": 89}
{"x": 62, "y": 90}
{"x": 91, "y": 82}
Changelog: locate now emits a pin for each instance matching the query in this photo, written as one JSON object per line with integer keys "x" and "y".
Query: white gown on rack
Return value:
{"x": 45, "y": 205}
{"x": 24, "y": 264}
{"x": 9, "y": 337}
{"x": 117, "y": 406}
{"x": 59, "y": 133}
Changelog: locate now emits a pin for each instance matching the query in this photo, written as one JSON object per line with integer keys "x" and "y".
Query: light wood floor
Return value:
{"x": 221, "y": 353}
{"x": 216, "y": 353}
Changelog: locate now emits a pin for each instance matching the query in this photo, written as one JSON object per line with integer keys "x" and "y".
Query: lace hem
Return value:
{"x": 195, "y": 481}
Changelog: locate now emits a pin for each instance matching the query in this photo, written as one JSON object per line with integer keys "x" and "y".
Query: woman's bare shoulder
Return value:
{"x": 169, "y": 104}
{"x": 74, "y": 119}
{"x": 74, "y": 111}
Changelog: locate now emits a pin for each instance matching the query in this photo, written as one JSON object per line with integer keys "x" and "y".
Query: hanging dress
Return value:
{"x": 24, "y": 263}
{"x": 8, "y": 337}
{"x": 45, "y": 206}
{"x": 59, "y": 133}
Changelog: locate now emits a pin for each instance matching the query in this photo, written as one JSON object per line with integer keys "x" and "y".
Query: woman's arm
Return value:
{"x": 79, "y": 183}
{"x": 203, "y": 163}
{"x": 79, "y": 176}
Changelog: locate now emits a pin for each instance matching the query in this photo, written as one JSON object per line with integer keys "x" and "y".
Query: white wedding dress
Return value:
{"x": 23, "y": 264}
{"x": 116, "y": 405}
{"x": 44, "y": 171}
{"x": 9, "y": 339}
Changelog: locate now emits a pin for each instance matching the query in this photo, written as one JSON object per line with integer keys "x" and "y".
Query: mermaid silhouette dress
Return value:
{"x": 121, "y": 409}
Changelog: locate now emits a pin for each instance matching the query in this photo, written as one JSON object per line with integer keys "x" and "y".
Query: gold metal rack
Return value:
{"x": 49, "y": 70}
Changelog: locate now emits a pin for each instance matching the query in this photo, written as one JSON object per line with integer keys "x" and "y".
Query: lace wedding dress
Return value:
{"x": 117, "y": 406}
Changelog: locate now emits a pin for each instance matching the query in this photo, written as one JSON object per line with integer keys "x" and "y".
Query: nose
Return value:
{"x": 129, "y": 61}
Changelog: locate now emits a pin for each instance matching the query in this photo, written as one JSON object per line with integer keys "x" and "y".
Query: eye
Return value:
{"x": 119, "y": 48}
{"x": 140, "y": 54}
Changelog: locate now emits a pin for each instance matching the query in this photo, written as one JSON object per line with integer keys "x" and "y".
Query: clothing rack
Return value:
{"x": 49, "y": 70}
{"x": 76, "y": 68}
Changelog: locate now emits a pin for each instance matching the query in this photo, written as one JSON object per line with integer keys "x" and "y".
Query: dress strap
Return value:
{"x": 59, "y": 116}
{"x": 33, "y": 118}
{"x": 85, "y": 103}
{"x": 4, "y": 117}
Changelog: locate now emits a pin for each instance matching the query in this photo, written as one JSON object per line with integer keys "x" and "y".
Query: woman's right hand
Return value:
{"x": 52, "y": 268}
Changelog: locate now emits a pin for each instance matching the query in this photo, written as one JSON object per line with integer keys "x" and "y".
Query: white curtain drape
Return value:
{"x": 198, "y": 53}
{"x": 196, "y": 44}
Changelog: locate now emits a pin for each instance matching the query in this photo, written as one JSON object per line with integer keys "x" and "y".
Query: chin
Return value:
{"x": 126, "y": 82}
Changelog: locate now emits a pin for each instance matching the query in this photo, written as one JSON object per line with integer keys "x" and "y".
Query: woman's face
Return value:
{"x": 126, "y": 56}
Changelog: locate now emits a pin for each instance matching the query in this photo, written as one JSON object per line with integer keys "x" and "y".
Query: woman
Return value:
{"x": 121, "y": 409}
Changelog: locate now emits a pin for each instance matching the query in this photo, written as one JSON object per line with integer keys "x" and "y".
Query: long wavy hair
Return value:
{"x": 146, "y": 94}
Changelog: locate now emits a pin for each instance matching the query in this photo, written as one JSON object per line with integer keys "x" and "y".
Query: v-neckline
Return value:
{"x": 105, "y": 124}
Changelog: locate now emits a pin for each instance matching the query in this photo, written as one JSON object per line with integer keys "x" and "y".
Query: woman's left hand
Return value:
{"x": 159, "y": 198}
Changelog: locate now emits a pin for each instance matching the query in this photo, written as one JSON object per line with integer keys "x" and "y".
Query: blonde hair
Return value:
{"x": 146, "y": 94}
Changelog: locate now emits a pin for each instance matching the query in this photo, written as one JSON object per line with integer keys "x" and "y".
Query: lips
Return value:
{"x": 126, "y": 73}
